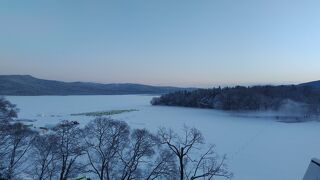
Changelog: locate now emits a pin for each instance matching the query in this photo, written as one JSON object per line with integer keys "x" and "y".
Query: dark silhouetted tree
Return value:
{"x": 205, "y": 166}
{"x": 70, "y": 149}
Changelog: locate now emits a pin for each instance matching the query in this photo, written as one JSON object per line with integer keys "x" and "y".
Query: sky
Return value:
{"x": 201, "y": 43}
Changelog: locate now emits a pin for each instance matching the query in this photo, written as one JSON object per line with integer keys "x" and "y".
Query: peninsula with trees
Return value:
{"x": 303, "y": 99}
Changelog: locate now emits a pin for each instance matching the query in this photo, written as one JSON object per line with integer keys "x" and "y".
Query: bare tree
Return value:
{"x": 141, "y": 146}
{"x": 7, "y": 110}
{"x": 144, "y": 159}
{"x": 164, "y": 167}
{"x": 19, "y": 143}
{"x": 4, "y": 146}
{"x": 105, "y": 138}
{"x": 70, "y": 149}
{"x": 45, "y": 154}
{"x": 115, "y": 152}
{"x": 206, "y": 166}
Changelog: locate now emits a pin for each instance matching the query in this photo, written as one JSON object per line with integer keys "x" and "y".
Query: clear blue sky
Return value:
{"x": 162, "y": 42}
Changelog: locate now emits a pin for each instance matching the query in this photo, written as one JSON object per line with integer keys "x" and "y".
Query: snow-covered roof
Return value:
{"x": 313, "y": 171}
{"x": 316, "y": 161}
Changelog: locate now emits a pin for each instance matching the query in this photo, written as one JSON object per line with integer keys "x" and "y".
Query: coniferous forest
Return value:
{"x": 256, "y": 98}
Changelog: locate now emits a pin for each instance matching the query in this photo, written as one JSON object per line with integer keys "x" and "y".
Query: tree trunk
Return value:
{"x": 181, "y": 164}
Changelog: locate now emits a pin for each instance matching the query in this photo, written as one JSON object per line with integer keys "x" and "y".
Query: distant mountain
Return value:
{"x": 311, "y": 84}
{"x": 28, "y": 85}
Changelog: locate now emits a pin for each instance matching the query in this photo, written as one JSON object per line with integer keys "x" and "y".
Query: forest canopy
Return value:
{"x": 255, "y": 98}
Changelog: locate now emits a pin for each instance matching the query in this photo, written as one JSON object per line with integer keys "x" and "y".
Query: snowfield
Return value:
{"x": 257, "y": 148}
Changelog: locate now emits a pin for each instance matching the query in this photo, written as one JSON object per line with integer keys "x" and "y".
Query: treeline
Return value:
{"x": 104, "y": 149}
{"x": 247, "y": 98}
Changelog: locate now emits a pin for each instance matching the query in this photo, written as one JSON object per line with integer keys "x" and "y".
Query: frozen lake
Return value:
{"x": 257, "y": 149}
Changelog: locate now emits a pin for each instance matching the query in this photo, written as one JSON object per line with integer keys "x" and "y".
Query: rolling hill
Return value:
{"x": 29, "y": 85}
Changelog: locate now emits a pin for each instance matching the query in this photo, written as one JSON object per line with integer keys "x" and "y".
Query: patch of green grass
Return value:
{"x": 104, "y": 113}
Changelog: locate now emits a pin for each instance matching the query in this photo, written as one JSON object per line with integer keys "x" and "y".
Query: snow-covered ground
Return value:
{"x": 258, "y": 148}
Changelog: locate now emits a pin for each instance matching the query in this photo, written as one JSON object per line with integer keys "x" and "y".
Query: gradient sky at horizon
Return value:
{"x": 162, "y": 42}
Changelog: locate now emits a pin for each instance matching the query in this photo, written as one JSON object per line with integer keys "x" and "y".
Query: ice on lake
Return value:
{"x": 257, "y": 149}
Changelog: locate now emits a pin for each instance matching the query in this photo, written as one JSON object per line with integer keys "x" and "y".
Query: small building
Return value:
{"x": 313, "y": 171}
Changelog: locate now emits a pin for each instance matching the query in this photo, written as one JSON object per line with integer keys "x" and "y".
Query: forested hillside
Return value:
{"x": 302, "y": 98}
